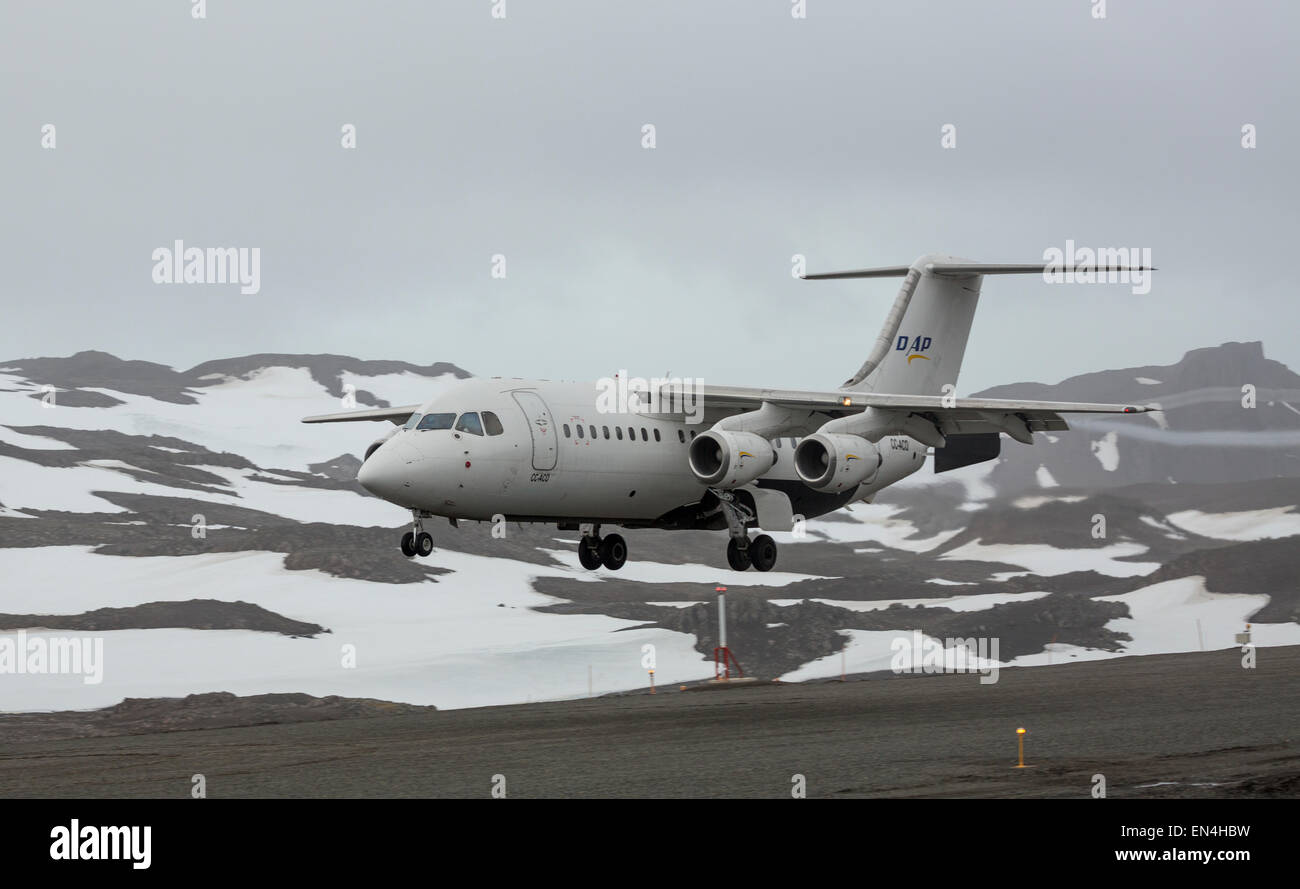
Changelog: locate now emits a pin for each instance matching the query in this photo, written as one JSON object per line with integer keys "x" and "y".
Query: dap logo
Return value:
{"x": 913, "y": 346}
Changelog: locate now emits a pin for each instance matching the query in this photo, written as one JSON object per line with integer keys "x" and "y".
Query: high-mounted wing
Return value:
{"x": 398, "y": 415}
{"x": 846, "y": 401}
{"x": 927, "y": 418}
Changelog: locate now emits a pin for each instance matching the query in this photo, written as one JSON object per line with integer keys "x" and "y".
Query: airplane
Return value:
{"x": 707, "y": 456}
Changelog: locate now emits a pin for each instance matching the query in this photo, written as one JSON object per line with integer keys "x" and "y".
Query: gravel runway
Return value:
{"x": 1185, "y": 725}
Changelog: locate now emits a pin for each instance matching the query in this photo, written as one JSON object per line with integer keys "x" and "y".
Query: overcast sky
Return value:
{"x": 478, "y": 136}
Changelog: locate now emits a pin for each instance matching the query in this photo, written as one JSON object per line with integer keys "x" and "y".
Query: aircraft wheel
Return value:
{"x": 424, "y": 543}
{"x": 408, "y": 544}
{"x": 613, "y": 551}
{"x": 737, "y": 558}
{"x": 589, "y": 556}
{"x": 762, "y": 552}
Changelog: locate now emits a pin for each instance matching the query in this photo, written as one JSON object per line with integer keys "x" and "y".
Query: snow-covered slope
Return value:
{"x": 100, "y": 484}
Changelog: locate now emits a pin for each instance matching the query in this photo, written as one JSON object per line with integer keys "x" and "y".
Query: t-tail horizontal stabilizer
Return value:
{"x": 920, "y": 347}
{"x": 967, "y": 269}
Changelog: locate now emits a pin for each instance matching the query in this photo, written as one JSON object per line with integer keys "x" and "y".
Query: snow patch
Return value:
{"x": 396, "y": 389}
{"x": 1181, "y": 615}
{"x": 257, "y": 418}
{"x": 979, "y": 602}
{"x": 33, "y": 442}
{"x": 1254, "y": 524}
{"x": 1044, "y": 560}
{"x": 1106, "y": 450}
{"x": 471, "y": 639}
{"x": 871, "y": 522}
{"x": 661, "y": 572}
{"x": 871, "y": 651}
{"x": 1033, "y": 502}
{"x": 974, "y": 478}
{"x": 1169, "y": 530}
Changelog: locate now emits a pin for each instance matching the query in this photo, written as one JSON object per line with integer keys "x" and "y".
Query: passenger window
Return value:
{"x": 436, "y": 421}
{"x": 566, "y": 430}
{"x": 644, "y": 436}
{"x": 618, "y": 430}
{"x": 692, "y": 433}
{"x": 579, "y": 430}
{"x": 492, "y": 423}
{"x": 657, "y": 438}
{"x": 681, "y": 436}
{"x": 605, "y": 431}
{"x": 411, "y": 421}
{"x": 470, "y": 423}
{"x": 631, "y": 434}
{"x": 593, "y": 431}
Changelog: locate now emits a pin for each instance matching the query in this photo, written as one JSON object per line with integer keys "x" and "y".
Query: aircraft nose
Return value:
{"x": 384, "y": 474}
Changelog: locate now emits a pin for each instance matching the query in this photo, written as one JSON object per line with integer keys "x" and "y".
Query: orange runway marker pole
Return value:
{"x": 1020, "y": 736}
{"x": 721, "y": 650}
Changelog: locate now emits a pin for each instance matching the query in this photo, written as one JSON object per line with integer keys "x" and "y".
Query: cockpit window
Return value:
{"x": 436, "y": 421}
{"x": 410, "y": 423}
{"x": 492, "y": 423}
{"x": 470, "y": 423}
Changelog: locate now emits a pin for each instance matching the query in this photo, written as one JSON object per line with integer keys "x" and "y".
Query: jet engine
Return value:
{"x": 832, "y": 462}
{"x": 724, "y": 459}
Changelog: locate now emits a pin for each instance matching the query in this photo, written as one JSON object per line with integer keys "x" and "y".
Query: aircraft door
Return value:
{"x": 541, "y": 427}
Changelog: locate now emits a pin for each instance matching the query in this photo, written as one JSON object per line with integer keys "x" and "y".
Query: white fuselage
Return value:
{"x": 556, "y": 457}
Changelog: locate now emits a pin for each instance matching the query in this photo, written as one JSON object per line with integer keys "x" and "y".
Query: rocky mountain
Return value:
{"x": 1228, "y": 415}
{"x": 215, "y": 543}
{"x": 79, "y": 380}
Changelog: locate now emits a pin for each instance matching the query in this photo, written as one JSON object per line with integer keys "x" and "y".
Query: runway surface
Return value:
{"x": 1187, "y": 725}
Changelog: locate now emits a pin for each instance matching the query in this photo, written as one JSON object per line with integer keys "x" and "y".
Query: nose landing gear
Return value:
{"x": 417, "y": 541}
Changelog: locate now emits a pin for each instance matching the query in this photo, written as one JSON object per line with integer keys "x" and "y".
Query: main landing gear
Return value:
{"x": 741, "y": 551}
{"x": 759, "y": 553}
{"x": 594, "y": 550}
{"x": 417, "y": 541}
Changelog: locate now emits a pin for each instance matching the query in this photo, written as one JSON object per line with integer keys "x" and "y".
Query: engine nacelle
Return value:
{"x": 724, "y": 459}
{"x": 829, "y": 461}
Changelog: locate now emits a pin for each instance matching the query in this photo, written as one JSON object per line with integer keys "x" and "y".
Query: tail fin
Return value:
{"x": 922, "y": 343}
